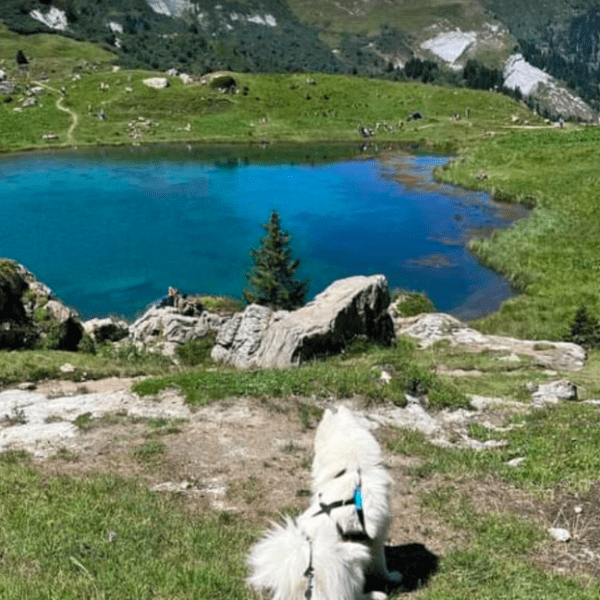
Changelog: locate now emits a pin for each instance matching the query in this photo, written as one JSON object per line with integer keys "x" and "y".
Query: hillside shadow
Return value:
{"x": 416, "y": 563}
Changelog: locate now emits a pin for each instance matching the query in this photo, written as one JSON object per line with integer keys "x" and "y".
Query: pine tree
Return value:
{"x": 271, "y": 279}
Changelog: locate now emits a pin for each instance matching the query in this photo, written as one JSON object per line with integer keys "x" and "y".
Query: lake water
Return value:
{"x": 109, "y": 230}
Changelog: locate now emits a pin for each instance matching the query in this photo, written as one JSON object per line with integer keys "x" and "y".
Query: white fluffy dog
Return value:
{"x": 351, "y": 484}
{"x": 327, "y": 551}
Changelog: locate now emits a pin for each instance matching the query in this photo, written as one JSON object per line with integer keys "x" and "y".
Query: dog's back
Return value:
{"x": 351, "y": 483}
{"x": 343, "y": 442}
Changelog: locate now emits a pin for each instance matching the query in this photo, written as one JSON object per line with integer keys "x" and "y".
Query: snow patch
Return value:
{"x": 115, "y": 27}
{"x": 54, "y": 18}
{"x": 267, "y": 20}
{"x": 518, "y": 73}
{"x": 449, "y": 46}
{"x": 170, "y": 8}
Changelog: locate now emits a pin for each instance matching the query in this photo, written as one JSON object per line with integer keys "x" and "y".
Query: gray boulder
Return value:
{"x": 553, "y": 392}
{"x": 158, "y": 83}
{"x": 165, "y": 327}
{"x": 106, "y": 330}
{"x": 6, "y": 87}
{"x": 348, "y": 308}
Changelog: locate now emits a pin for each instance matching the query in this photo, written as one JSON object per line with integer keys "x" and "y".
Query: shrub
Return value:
{"x": 196, "y": 352}
{"x": 414, "y": 303}
{"x": 584, "y": 329}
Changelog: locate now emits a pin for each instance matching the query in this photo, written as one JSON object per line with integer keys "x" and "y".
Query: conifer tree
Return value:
{"x": 271, "y": 280}
{"x": 585, "y": 329}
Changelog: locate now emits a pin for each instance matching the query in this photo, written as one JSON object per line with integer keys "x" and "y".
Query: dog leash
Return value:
{"x": 310, "y": 572}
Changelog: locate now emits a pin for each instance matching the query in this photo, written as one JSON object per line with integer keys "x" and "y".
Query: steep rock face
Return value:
{"x": 260, "y": 337}
{"x": 29, "y": 313}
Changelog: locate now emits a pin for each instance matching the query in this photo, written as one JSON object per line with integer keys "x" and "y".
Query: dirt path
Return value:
{"x": 74, "y": 117}
{"x": 59, "y": 106}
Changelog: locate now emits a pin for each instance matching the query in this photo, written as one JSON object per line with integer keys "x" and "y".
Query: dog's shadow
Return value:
{"x": 416, "y": 563}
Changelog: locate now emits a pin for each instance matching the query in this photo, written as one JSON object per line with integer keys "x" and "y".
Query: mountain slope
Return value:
{"x": 369, "y": 37}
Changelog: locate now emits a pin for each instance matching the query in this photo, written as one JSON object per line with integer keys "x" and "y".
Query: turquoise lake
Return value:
{"x": 109, "y": 230}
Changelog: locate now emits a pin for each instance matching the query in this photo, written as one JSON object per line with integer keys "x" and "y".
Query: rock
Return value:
{"x": 175, "y": 319}
{"x": 29, "y": 312}
{"x": 432, "y": 327}
{"x": 67, "y": 368}
{"x": 2, "y": 75}
{"x": 515, "y": 462}
{"x": 7, "y": 87}
{"x": 553, "y": 392}
{"x": 559, "y": 534}
{"x": 29, "y": 102}
{"x": 166, "y": 324}
{"x": 185, "y": 79}
{"x": 106, "y": 330}
{"x": 348, "y": 308}
{"x": 157, "y": 83}
{"x": 68, "y": 330}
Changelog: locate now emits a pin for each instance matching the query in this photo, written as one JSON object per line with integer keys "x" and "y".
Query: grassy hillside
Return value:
{"x": 410, "y": 16}
{"x": 272, "y": 108}
{"x": 50, "y": 54}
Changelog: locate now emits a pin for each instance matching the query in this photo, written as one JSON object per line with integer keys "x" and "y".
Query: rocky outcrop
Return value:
{"x": 431, "y": 328}
{"x": 109, "y": 329}
{"x": 552, "y": 392}
{"x": 30, "y": 315}
{"x": 348, "y": 308}
{"x": 174, "y": 320}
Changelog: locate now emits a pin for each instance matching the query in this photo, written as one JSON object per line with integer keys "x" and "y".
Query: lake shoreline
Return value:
{"x": 185, "y": 165}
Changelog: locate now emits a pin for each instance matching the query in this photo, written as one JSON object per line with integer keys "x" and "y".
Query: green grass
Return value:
{"x": 341, "y": 377}
{"x": 50, "y": 55}
{"x": 559, "y": 444}
{"x": 105, "y": 538}
{"x": 35, "y": 365}
{"x": 551, "y": 256}
{"x": 276, "y": 108}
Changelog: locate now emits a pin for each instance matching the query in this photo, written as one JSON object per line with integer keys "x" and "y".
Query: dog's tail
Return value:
{"x": 290, "y": 565}
{"x": 280, "y": 560}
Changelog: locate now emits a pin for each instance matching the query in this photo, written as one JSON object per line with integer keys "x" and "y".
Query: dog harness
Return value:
{"x": 357, "y": 500}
